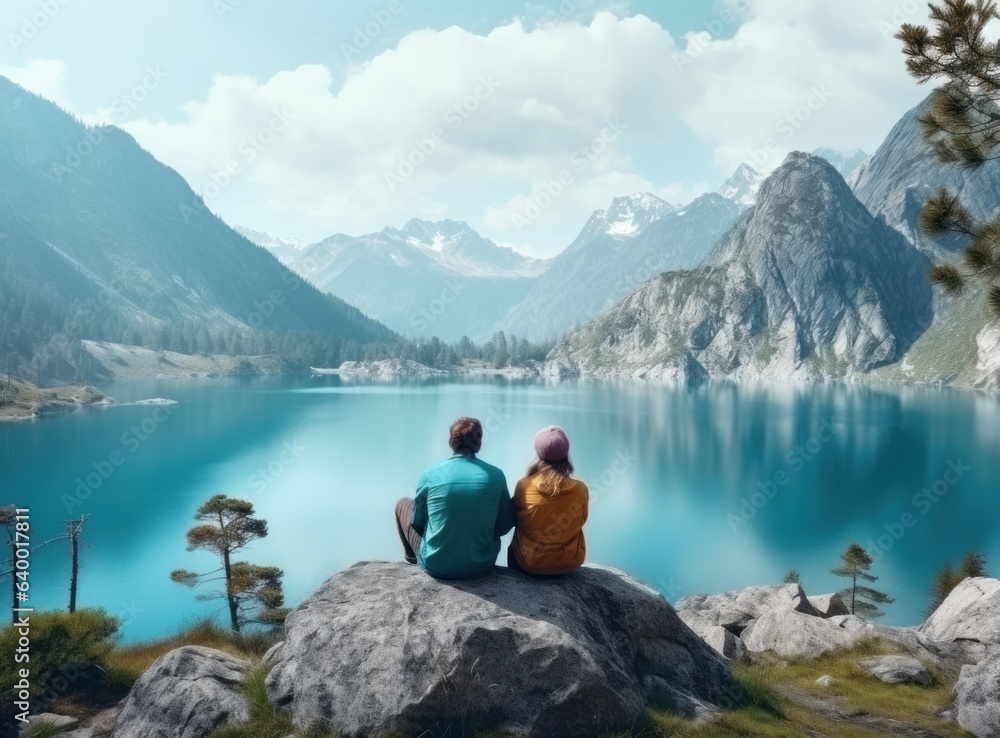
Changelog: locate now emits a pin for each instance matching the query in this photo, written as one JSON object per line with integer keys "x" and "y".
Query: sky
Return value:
{"x": 520, "y": 118}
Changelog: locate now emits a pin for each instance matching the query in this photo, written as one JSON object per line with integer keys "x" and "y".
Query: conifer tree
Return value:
{"x": 855, "y": 563}
{"x": 962, "y": 127}
{"x": 949, "y": 577}
{"x": 252, "y": 593}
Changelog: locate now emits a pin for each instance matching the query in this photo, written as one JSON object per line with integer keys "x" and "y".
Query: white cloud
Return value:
{"x": 45, "y": 77}
{"x": 490, "y": 121}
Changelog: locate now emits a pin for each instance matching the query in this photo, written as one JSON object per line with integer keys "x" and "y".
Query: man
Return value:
{"x": 462, "y": 509}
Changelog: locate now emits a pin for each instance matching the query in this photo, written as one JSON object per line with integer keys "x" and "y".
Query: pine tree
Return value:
{"x": 962, "y": 127}
{"x": 948, "y": 577}
{"x": 252, "y": 593}
{"x": 793, "y": 577}
{"x": 855, "y": 563}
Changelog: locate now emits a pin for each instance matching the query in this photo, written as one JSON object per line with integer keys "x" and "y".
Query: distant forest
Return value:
{"x": 41, "y": 334}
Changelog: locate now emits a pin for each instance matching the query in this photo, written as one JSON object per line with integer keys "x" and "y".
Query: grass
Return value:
{"x": 125, "y": 664}
{"x": 42, "y": 730}
{"x": 863, "y": 693}
{"x": 766, "y": 710}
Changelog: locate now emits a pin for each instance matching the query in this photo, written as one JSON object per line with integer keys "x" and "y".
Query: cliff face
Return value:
{"x": 807, "y": 284}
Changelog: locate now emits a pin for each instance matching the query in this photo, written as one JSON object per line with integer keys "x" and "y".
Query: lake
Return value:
{"x": 698, "y": 490}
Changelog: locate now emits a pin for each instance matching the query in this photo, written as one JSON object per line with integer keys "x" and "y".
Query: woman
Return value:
{"x": 551, "y": 509}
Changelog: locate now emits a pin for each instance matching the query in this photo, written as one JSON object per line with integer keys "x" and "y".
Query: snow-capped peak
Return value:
{"x": 630, "y": 214}
{"x": 742, "y": 186}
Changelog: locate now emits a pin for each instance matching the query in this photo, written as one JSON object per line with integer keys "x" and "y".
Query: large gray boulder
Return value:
{"x": 382, "y": 647}
{"x": 897, "y": 669}
{"x": 789, "y": 633}
{"x": 187, "y": 693}
{"x": 735, "y": 610}
{"x": 971, "y": 613}
{"x": 978, "y": 701}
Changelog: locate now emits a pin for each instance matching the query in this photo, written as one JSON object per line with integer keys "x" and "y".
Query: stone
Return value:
{"x": 978, "y": 703}
{"x": 187, "y": 693}
{"x": 829, "y": 605}
{"x": 61, "y": 723}
{"x": 735, "y": 610}
{"x": 383, "y": 648}
{"x": 970, "y": 613}
{"x": 789, "y": 633}
{"x": 825, "y": 681}
{"x": 724, "y": 641}
{"x": 897, "y": 669}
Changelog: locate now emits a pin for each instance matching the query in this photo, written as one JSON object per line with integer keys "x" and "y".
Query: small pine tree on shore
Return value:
{"x": 949, "y": 577}
{"x": 253, "y": 593}
{"x": 793, "y": 577}
{"x": 855, "y": 563}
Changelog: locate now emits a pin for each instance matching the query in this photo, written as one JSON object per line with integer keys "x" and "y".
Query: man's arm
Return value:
{"x": 419, "y": 521}
{"x": 506, "y": 515}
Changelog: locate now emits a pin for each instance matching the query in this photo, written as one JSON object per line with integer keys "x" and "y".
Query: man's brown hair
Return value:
{"x": 466, "y": 435}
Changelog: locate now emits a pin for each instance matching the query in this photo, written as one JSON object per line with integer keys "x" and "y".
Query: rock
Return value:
{"x": 735, "y": 610}
{"x": 61, "y": 723}
{"x": 790, "y": 633}
{"x": 853, "y": 624}
{"x": 187, "y": 693}
{"x": 829, "y": 605}
{"x": 382, "y": 647}
{"x": 978, "y": 703}
{"x": 825, "y": 681}
{"x": 970, "y": 613}
{"x": 78, "y": 733}
{"x": 270, "y": 658}
{"x": 722, "y": 640}
{"x": 897, "y": 670}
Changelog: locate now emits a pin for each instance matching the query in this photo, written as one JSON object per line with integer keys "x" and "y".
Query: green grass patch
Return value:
{"x": 125, "y": 664}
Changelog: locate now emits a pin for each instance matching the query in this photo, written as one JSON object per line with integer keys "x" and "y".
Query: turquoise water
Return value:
{"x": 673, "y": 472}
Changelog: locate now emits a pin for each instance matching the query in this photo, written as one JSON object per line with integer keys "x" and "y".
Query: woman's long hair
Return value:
{"x": 551, "y": 475}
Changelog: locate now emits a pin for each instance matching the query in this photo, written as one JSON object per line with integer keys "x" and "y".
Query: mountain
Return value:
{"x": 742, "y": 186}
{"x": 424, "y": 279}
{"x": 286, "y": 250}
{"x": 100, "y": 241}
{"x": 961, "y": 347}
{"x": 844, "y": 162}
{"x": 903, "y": 173}
{"x": 806, "y": 284}
{"x": 637, "y": 237}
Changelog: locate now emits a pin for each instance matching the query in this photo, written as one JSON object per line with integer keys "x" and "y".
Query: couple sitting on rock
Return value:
{"x": 463, "y": 507}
